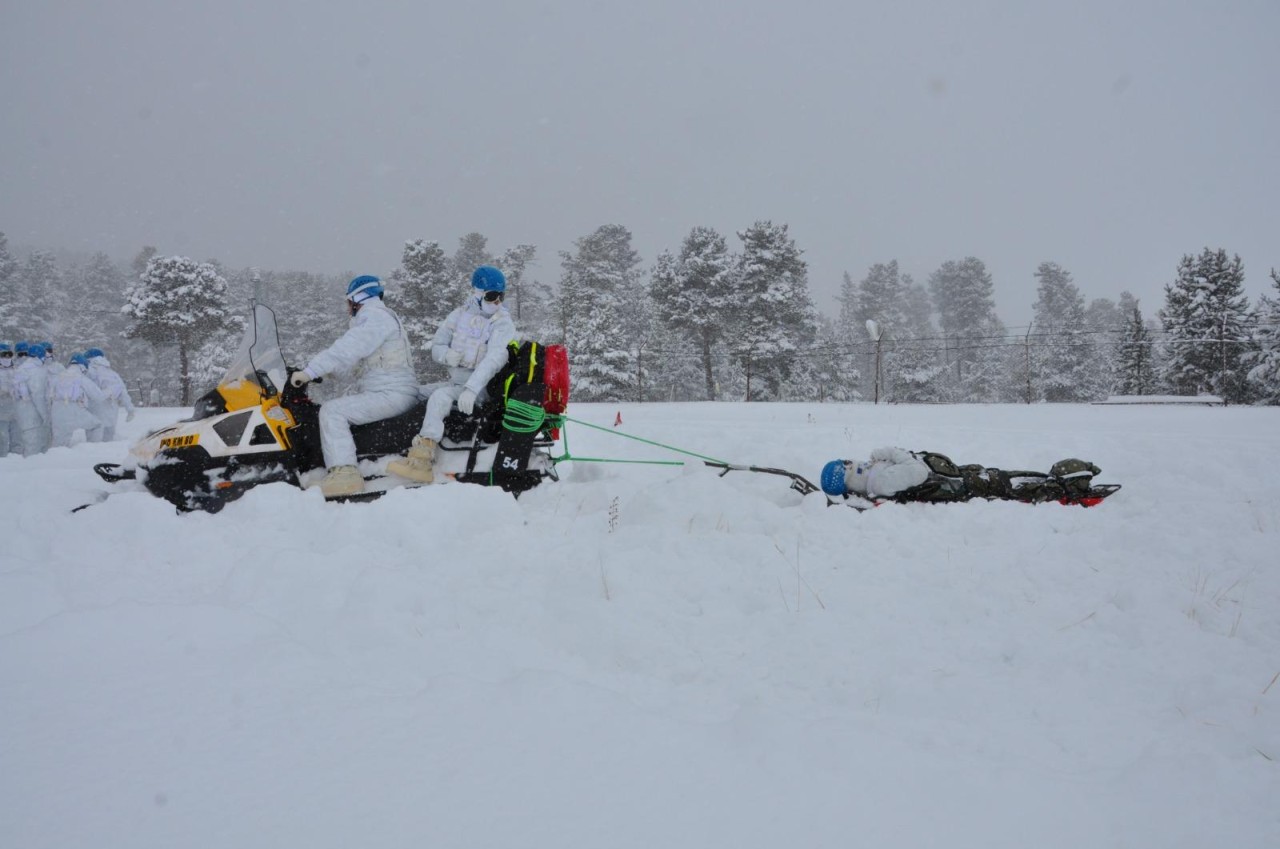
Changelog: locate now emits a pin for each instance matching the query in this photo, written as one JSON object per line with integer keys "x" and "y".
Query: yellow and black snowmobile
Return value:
{"x": 255, "y": 428}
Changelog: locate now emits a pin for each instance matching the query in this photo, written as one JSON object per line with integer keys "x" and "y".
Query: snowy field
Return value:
{"x": 655, "y": 656}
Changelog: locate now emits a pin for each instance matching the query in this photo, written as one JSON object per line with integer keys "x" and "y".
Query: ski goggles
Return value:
{"x": 6, "y": 355}
{"x": 494, "y": 297}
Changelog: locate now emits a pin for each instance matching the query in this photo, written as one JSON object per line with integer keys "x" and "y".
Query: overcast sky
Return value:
{"x": 1110, "y": 137}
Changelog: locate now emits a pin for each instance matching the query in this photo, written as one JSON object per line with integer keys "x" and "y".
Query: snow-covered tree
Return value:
{"x": 916, "y": 370}
{"x": 774, "y": 318}
{"x": 178, "y": 301}
{"x": 1204, "y": 317}
{"x": 590, "y": 306}
{"x": 849, "y": 334}
{"x": 210, "y": 359}
{"x": 1063, "y": 352}
{"x": 40, "y": 297}
{"x": 424, "y": 290}
{"x": 1264, "y": 360}
{"x": 641, "y": 336}
{"x": 473, "y": 251}
{"x": 141, "y": 258}
{"x": 514, "y": 263}
{"x": 692, "y": 292}
{"x": 97, "y": 290}
{"x": 9, "y": 312}
{"x": 1134, "y": 360}
{"x": 674, "y": 366}
{"x": 1104, "y": 326}
{"x": 831, "y": 365}
{"x": 964, "y": 299}
{"x": 910, "y": 360}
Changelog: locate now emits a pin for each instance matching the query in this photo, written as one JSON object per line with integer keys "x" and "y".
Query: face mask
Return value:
{"x": 490, "y": 307}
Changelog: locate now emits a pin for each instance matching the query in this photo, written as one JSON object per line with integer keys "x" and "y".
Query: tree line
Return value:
{"x": 710, "y": 320}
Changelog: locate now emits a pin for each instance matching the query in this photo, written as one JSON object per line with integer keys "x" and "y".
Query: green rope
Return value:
{"x": 558, "y": 421}
{"x": 521, "y": 417}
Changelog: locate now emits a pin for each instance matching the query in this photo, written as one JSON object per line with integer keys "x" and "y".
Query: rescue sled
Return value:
{"x": 256, "y": 428}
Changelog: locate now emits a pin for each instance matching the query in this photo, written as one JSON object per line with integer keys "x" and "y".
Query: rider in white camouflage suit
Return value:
{"x": 376, "y": 349}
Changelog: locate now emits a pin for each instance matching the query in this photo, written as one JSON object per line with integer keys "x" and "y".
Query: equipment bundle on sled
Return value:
{"x": 256, "y": 428}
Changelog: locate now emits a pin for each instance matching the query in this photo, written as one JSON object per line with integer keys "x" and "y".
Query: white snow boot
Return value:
{"x": 417, "y": 465}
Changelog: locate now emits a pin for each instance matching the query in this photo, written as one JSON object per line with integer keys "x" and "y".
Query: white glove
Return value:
{"x": 466, "y": 402}
{"x": 129, "y": 416}
{"x": 298, "y": 378}
{"x": 452, "y": 357}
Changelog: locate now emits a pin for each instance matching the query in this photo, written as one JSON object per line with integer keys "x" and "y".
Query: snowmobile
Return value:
{"x": 254, "y": 428}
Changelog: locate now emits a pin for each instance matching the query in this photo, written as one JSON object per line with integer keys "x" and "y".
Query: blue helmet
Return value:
{"x": 35, "y": 349}
{"x": 21, "y": 348}
{"x": 79, "y": 360}
{"x": 93, "y": 352}
{"x": 833, "y": 478}
{"x": 48, "y": 347}
{"x": 486, "y": 278}
{"x": 363, "y": 288}
{"x": 4, "y": 346}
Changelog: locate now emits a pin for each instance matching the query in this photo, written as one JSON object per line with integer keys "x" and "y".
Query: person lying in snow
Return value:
{"x": 895, "y": 474}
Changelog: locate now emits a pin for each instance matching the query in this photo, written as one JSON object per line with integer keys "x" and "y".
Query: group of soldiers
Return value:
{"x": 44, "y": 402}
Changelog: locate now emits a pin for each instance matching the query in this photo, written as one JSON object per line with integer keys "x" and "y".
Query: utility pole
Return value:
{"x": 1027, "y": 347}
{"x": 876, "y": 334}
{"x": 1222, "y": 342}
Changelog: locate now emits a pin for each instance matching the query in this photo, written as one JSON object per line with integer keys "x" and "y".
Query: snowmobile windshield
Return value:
{"x": 258, "y": 368}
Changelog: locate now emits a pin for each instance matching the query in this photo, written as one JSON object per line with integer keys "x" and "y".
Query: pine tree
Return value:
{"x": 849, "y": 336}
{"x": 590, "y": 309}
{"x": 640, "y": 335}
{"x": 1063, "y": 353}
{"x": 910, "y": 365}
{"x": 774, "y": 314}
{"x": 425, "y": 289}
{"x": 674, "y": 371}
{"x": 1264, "y": 360}
{"x": 1204, "y": 317}
{"x": 692, "y": 292}
{"x": 915, "y": 366}
{"x": 9, "y": 311}
{"x": 310, "y": 310}
{"x": 97, "y": 290}
{"x": 514, "y": 262}
{"x": 140, "y": 260}
{"x": 178, "y": 301}
{"x": 41, "y": 297}
{"x": 1104, "y": 325}
{"x": 879, "y": 298}
{"x": 1134, "y": 360}
{"x": 832, "y": 367}
{"x": 473, "y": 251}
{"x": 964, "y": 299}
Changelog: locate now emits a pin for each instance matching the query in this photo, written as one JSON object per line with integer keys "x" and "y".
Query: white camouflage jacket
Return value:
{"x": 481, "y": 340}
{"x": 375, "y": 348}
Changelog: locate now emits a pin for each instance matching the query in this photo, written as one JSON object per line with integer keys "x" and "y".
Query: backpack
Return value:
{"x": 531, "y": 363}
